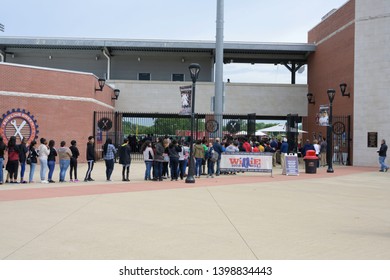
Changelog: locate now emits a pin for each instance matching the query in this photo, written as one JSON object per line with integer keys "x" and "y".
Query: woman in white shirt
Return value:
{"x": 317, "y": 148}
{"x": 148, "y": 158}
{"x": 43, "y": 152}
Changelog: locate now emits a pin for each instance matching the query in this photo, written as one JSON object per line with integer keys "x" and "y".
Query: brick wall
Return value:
{"x": 331, "y": 64}
{"x": 61, "y": 102}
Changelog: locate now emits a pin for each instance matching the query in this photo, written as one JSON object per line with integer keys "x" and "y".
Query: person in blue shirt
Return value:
{"x": 283, "y": 152}
{"x": 109, "y": 152}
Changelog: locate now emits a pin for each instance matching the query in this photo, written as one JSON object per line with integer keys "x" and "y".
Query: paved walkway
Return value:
{"x": 344, "y": 215}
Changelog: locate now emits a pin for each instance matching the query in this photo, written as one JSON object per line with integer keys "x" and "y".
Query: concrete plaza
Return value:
{"x": 344, "y": 215}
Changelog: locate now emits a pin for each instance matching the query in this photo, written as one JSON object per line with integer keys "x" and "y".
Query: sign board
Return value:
{"x": 372, "y": 139}
{"x": 248, "y": 162}
{"x": 291, "y": 165}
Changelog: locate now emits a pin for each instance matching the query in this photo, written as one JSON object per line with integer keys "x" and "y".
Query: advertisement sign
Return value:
{"x": 324, "y": 115}
{"x": 291, "y": 165}
{"x": 186, "y": 100}
{"x": 248, "y": 162}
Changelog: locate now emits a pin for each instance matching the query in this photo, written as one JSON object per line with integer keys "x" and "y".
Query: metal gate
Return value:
{"x": 342, "y": 140}
{"x": 139, "y": 127}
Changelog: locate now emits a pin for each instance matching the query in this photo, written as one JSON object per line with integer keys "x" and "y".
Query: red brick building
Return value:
{"x": 60, "y": 104}
{"x": 331, "y": 64}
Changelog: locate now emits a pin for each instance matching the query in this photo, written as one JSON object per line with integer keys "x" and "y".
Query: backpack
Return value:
{"x": 214, "y": 156}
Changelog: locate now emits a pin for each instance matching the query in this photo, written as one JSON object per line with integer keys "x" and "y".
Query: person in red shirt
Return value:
{"x": 255, "y": 148}
{"x": 247, "y": 146}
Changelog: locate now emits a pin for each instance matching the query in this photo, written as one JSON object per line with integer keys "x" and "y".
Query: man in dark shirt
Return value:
{"x": 90, "y": 158}
{"x": 218, "y": 149}
{"x": 382, "y": 156}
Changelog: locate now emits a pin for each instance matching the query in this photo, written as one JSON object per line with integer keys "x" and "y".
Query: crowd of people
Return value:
{"x": 19, "y": 155}
{"x": 164, "y": 158}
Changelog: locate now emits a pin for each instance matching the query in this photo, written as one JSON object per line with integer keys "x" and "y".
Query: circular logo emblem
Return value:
{"x": 338, "y": 128}
{"x": 105, "y": 124}
{"x": 233, "y": 126}
{"x": 212, "y": 126}
{"x": 20, "y": 124}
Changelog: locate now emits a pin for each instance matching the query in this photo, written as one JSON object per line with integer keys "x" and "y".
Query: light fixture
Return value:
{"x": 116, "y": 94}
{"x": 329, "y": 137}
{"x": 194, "y": 72}
{"x": 183, "y": 60}
{"x": 310, "y": 98}
{"x": 139, "y": 59}
{"x": 331, "y": 93}
{"x": 343, "y": 88}
{"x": 50, "y": 57}
{"x": 101, "y": 84}
{"x": 97, "y": 57}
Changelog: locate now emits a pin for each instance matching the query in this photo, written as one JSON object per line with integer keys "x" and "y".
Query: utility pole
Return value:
{"x": 218, "y": 96}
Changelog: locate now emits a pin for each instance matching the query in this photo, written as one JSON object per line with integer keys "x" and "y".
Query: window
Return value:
{"x": 178, "y": 77}
{"x": 144, "y": 76}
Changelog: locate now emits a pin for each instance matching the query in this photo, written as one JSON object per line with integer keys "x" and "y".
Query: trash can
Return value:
{"x": 311, "y": 161}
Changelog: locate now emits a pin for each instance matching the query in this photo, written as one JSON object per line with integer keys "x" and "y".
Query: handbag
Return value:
{"x": 28, "y": 160}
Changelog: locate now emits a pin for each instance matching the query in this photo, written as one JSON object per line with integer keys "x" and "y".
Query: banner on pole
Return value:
{"x": 186, "y": 100}
{"x": 324, "y": 115}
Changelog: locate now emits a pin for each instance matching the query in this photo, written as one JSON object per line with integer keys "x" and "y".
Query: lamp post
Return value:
{"x": 194, "y": 71}
{"x": 329, "y": 139}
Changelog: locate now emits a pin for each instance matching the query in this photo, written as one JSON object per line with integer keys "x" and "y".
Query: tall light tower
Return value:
{"x": 218, "y": 96}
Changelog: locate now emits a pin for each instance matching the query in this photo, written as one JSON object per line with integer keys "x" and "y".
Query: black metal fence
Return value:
{"x": 139, "y": 127}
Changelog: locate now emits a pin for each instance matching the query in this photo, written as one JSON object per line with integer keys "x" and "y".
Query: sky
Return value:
{"x": 244, "y": 20}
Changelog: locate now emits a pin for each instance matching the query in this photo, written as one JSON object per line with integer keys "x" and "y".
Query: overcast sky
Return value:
{"x": 245, "y": 20}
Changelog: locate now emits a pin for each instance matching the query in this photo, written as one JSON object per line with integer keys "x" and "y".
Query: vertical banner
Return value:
{"x": 186, "y": 100}
{"x": 324, "y": 115}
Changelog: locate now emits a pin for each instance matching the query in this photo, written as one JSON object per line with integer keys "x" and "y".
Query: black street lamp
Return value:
{"x": 329, "y": 149}
{"x": 194, "y": 71}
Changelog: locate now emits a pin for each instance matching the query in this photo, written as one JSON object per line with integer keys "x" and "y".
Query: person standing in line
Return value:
{"x": 317, "y": 148}
{"x": 323, "y": 147}
{"x": 109, "y": 152}
{"x": 64, "y": 154}
{"x": 73, "y": 161}
{"x": 33, "y": 156}
{"x": 382, "y": 156}
{"x": 148, "y": 158}
{"x": 173, "y": 151}
{"x": 165, "y": 169}
{"x": 13, "y": 160}
{"x": 22, "y": 159}
{"x": 219, "y": 149}
{"x": 210, "y": 160}
{"x": 3, "y": 147}
{"x": 308, "y": 146}
{"x": 158, "y": 160}
{"x": 199, "y": 155}
{"x": 204, "y": 161}
{"x": 90, "y": 158}
{"x": 274, "y": 148}
{"x": 125, "y": 159}
{"x": 43, "y": 152}
{"x": 283, "y": 153}
{"x": 51, "y": 160}
{"x": 183, "y": 155}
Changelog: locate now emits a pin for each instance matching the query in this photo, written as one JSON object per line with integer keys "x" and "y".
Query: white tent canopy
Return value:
{"x": 280, "y": 128}
{"x": 257, "y": 133}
